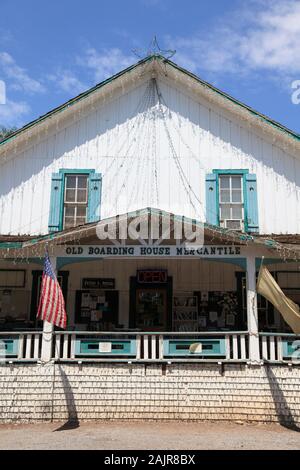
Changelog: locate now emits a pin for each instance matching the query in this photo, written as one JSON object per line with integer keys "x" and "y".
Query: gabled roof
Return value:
{"x": 284, "y": 131}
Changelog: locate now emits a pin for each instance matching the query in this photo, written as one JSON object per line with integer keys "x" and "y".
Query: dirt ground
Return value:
{"x": 149, "y": 435}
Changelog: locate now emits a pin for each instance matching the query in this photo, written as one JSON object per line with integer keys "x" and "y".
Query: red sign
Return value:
{"x": 153, "y": 276}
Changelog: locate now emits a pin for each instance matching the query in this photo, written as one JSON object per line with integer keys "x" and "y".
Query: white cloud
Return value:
{"x": 105, "y": 62}
{"x": 66, "y": 81}
{"x": 12, "y": 113}
{"x": 262, "y": 35}
{"x": 17, "y": 77}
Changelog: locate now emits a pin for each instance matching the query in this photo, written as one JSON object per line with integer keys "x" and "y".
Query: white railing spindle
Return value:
{"x": 153, "y": 347}
{"x": 57, "y": 346}
{"x": 28, "y": 347}
{"x": 235, "y": 347}
{"x": 160, "y": 347}
{"x": 138, "y": 347}
{"x": 146, "y": 346}
{"x": 21, "y": 347}
{"x": 227, "y": 347}
{"x": 272, "y": 348}
{"x": 36, "y": 350}
{"x": 65, "y": 346}
{"x": 279, "y": 348}
{"x": 243, "y": 346}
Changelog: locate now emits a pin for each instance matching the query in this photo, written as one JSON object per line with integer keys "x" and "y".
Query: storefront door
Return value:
{"x": 151, "y": 303}
{"x": 151, "y": 309}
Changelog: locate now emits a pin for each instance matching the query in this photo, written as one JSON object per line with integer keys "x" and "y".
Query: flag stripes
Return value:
{"x": 52, "y": 305}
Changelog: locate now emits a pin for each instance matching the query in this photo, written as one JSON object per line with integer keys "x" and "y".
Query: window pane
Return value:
{"x": 81, "y": 195}
{"x": 237, "y": 212}
{"x": 80, "y": 221}
{"x": 236, "y": 196}
{"x": 82, "y": 182}
{"x": 225, "y": 195}
{"x": 70, "y": 195}
{"x": 225, "y": 182}
{"x": 69, "y": 222}
{"x": 71, "y": 181}
{"x": 236, "y": 182}
{"x": 224, "y": 211}
{"x": 81, "y": 211}
{"x": 69, "y": 211}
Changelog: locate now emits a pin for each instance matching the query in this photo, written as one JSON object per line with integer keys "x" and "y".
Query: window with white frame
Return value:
{"x": 231, "y": 202}
{"x": 75, "y": 200}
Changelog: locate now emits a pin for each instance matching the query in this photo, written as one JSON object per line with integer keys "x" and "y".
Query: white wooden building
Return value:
{"x": 155, "y": 142}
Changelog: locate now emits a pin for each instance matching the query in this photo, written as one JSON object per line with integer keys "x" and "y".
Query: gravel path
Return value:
{"x": 169, "y": 436}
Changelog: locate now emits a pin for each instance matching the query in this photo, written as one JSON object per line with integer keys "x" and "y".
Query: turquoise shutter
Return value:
{"x": 94, "y": 203}
{"x": 251, "y": 203}
{"x": 55, "y": 214}
{"x": 212, "y": 206}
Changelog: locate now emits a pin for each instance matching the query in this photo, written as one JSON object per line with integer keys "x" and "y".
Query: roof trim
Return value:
{"x": 73, "y": 101}
{"x": 82, "y": 96}
{"x": 225, "y": 95}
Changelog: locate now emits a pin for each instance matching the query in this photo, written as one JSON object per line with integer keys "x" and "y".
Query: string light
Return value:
{"x": 285, "y": 252}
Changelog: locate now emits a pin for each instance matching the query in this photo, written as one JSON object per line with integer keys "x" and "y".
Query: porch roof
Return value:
{"x": 287, "y": 245}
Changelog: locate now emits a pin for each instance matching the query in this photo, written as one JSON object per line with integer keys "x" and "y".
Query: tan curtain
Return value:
{"x": 268, "y": 287}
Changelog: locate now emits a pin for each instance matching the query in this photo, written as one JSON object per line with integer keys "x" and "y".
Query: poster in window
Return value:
{"x": 230, "y": 320}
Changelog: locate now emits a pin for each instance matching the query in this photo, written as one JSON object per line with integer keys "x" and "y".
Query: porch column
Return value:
{"x": 252, "y": 315}
{"x": 48, "y": 327}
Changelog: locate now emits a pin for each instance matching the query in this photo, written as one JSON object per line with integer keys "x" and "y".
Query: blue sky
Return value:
{"x": 51, "y": 51}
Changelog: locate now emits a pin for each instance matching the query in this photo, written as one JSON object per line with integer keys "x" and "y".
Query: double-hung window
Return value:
{"x": 231, "y": 202}
{"x": 75, "y": 200}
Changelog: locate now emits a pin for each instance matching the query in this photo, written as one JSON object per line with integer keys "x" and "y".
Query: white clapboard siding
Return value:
{"x": 118, "y": 142}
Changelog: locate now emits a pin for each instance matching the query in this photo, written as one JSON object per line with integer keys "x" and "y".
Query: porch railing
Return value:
{"x": 20, "y": 346}
{"x": 149, "y": 346}
{"x": 279, "y": 347}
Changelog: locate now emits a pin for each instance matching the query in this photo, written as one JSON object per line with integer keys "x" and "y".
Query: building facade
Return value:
{"x": 157, "y": 197}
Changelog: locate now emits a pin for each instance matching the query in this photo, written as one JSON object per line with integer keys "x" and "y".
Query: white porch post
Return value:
{"x": 48, "y": 327}
{"x": 252, "y": 314}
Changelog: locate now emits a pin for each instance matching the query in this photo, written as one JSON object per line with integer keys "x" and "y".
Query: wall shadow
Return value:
{"x": 72, "y": 422}
{"x": 285, "y": 419}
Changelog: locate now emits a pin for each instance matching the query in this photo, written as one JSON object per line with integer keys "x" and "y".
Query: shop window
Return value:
{"x": 231, "y": 200}
{"x": 12, "y": 278}
{"x": 269, "y": 319}
{"x": 14, "y": 298}
{"x": 75, "y": 199}
{"x": 289, "y": 282}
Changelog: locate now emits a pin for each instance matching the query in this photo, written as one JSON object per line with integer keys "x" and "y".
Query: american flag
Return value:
{"x": 52, "y": 304}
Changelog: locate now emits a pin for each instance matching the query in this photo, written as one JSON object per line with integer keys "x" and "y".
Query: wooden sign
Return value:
{"x": 98, "y": 283}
